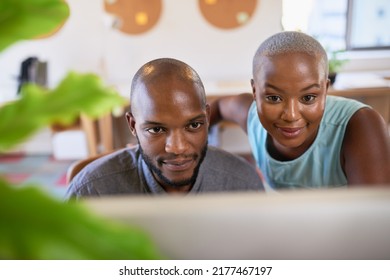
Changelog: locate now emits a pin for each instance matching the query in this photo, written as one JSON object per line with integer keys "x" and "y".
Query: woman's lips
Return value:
{"x": 290, "y": 132}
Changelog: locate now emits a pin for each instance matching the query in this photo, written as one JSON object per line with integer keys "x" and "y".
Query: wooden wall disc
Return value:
{"x": 227, "y": 14}
{"x": 134, "y": 16}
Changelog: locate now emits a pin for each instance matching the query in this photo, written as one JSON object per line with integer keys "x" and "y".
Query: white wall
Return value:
{"x": 77, "y": 46}
{"x": 183, "y": 33}
{"x": 88, "y": 43}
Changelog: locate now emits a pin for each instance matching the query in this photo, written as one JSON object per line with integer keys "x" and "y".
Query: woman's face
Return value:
{"x": 290, "y": 93}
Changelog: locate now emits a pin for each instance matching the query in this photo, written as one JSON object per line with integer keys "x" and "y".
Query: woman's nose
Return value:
{"x": 290, "y": 111}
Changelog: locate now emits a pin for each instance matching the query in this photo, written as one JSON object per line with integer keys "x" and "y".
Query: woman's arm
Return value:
{"x": 231, "y": 108}
{"x": 366, "y": 149}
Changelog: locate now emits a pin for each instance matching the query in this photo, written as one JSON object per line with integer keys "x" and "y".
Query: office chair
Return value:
{"x": 77, "y": 166}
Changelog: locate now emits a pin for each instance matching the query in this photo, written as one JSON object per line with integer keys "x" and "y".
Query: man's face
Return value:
{"x": 171, "y": 127}
{"x": 290, "y": 93}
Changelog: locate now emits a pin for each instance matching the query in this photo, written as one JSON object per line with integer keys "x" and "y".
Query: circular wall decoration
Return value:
{"x": 134, "y": 16}
{"x": 227, "y": 14}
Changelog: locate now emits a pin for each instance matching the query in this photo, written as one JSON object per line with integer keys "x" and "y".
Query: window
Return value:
{"x": 341, "y": 24}
{"x": 368, "y": 24}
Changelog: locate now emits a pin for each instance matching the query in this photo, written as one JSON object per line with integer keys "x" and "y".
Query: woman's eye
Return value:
{"x": 155, "y": 130}
{"x": 309, "y": 98}
{"x": 273, "y": 98}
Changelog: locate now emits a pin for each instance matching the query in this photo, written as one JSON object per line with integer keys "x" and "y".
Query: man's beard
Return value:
{"x": 176, "y": 184}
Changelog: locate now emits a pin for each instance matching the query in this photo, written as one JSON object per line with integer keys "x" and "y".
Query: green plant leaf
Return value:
{"x": 28, "y": 19}
{"x": 335, "y": 63}
{"x": 38, "y": 107}
{"x": 36, "y": 226}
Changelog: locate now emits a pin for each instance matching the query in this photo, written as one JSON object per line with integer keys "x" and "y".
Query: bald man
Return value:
{"x": 170, "y": 119}
{"x": 299, "y": 136}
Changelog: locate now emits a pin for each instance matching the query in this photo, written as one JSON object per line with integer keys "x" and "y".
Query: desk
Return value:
{"x": 371, "y": 88}
{"x": 377, "y": 98}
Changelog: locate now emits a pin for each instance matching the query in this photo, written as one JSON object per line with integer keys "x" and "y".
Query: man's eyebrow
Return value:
{"x": 200, "y": 116}
{"x": 152, "y": 123}
{"x": 155, "y": 123}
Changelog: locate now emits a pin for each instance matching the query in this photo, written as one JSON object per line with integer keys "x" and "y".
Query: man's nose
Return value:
{"x": 176, "y": 142}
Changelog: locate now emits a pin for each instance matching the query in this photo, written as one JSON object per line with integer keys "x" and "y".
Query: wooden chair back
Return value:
{"x": 77, "y": 166}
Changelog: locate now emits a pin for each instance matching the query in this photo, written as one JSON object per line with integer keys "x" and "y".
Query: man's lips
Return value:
{"x": 178, "y": 165}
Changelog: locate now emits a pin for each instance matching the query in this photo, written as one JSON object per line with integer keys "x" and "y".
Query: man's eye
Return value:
{"x": 309, "y": 98}
{"x": 155, "y": 130}
{"x": 195, "y": 125}
{"x": 273, "y": 98}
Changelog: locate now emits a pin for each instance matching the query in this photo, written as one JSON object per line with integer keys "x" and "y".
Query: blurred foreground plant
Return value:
{"x": 32, "y": 224}
{"x": 28, "y": 19}
{"x": 37, "y": 107}
{"x": 36, "y": 226}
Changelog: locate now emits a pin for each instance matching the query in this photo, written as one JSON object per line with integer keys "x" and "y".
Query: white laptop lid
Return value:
{"x": 321, "y": 224}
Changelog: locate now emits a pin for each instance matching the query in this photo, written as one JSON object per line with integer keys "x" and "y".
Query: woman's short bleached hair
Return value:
{"x": 289, "y": 42}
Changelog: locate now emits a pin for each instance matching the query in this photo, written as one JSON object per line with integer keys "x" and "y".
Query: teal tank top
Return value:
{"x": 320, "y": 165}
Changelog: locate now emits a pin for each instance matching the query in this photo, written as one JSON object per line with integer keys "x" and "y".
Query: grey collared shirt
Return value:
{"x": 125, "y": 172}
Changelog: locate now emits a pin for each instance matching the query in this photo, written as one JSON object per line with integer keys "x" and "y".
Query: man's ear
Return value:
{"x": 253, "y": 89}
{"x": 131, "y": 123}
{"x": 208, "y": 113}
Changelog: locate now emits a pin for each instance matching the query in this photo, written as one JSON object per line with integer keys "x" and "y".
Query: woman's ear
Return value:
{"x": 327, "y": 84}
{"x": 253, "y": 89}
{"x": 131, "y": 123}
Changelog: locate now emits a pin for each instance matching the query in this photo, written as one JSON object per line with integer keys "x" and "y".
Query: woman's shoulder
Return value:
{"x": 339, "y": 109}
